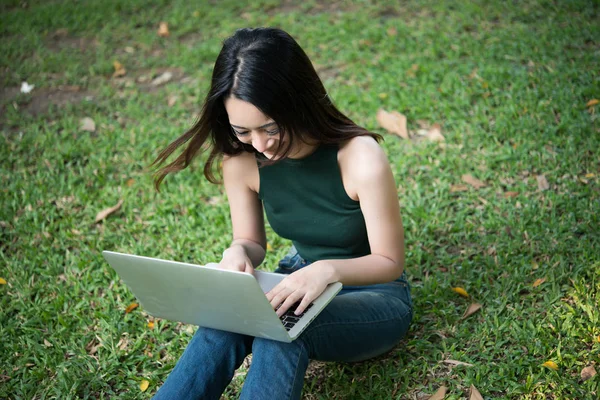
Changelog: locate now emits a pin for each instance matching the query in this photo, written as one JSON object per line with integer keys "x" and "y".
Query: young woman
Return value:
{"x": 323, "y": 182}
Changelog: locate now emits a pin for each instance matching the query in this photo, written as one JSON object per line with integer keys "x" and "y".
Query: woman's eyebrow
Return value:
{"x": 260, "y": 127}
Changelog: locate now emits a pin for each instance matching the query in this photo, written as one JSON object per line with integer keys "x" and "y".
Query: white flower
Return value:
{"x": 26, "y": 87}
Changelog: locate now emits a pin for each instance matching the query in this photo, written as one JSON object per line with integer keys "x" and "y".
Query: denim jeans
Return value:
{"x": 361, "y": 322}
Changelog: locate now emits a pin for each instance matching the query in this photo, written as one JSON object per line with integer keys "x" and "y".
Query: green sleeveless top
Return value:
{"x": 305, "y": 201}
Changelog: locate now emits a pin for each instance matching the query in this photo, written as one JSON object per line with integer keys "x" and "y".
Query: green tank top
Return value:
{"x": 305, "y": 201}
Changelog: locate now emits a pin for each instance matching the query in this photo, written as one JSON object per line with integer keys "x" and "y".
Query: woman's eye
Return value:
{"x": 240, "y": 133}
{"x": 273, "y": 132}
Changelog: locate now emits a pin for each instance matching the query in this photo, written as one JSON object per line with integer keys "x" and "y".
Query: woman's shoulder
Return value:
{"x": 362, "y": 155}
{"x": 241, "y": 169}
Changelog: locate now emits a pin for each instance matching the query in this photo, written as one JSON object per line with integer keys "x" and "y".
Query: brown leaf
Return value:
{"x": 87, "y": 124}
{"x": 592, "y": 102}
{"x": 472, "y": 309}
{"x": 458, "y": 188}
{"x": 130, "y": 182}
{"x": 475, "y": 395}
{"x": 47, "y": 343}
{"x": 106, "y": 212}
{"x": 123, "y": 342}
{"x": 163, "y": 29}
{"x": 392, "y": 31}
{"x": 476, "y": 183}
{"x": 119, "y": 70}
{"x": 412, "y": 71}
{"x": 588, "y": 372}
{"x": 440, "y": 394}
{"x": 393, "y": 122}
{"x": 435, "y": 133}
{"x": 538, "y": 282}
{"x": 455, "y": 362}
{"x": 131, "y": 307}
{"x": 171, "y": 100}
{"x": 162, "y": 78}
{"x": 510, "y": 194}
{"x": 542, "y": 183}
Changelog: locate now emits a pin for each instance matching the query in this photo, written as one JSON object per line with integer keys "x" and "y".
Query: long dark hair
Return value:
{"x": 267, "y": 68}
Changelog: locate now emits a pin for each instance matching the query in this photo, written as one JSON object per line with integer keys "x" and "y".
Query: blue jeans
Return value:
{"x": 361, "y": 322}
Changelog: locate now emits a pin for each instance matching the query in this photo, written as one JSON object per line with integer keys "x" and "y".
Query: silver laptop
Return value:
{"x": 212, "y": 297}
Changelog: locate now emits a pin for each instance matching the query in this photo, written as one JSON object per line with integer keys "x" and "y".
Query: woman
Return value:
{"x": 326, "y": 184}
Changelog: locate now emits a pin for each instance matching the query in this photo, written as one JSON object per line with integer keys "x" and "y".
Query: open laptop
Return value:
{"x": 212, "y": 297}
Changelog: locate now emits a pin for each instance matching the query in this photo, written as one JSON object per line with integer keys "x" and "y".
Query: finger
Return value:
{"x": 280, "y": 298}
{"x": 273, "y": 292}
{"x": 306, "y": 300}
{"x": 289, "y": 301}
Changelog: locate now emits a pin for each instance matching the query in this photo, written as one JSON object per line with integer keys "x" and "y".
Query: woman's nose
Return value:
{"x": 260, "y": 142}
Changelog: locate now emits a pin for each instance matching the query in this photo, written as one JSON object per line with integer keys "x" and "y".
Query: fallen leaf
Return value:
{"x": 130, "y": 182}
{"x": 476, "y": 183}
{"x": 588, "y": 372}
{"x": 171, "y": 100}
{"x": 412, "y": 71}
{"x": 592, "y": 102}
{"x": 510, "y": 194}
{"x": 269, "y": 247}
{"x": 119, "y": 69}
{"x": 598, "y": 339}
{"x": 542, "y": 183}
{"x": 162, "y": 78}
{"x": 123, "y": 342}
{"x": 151, "y": 325}
{"x": 93, "y": 346}
{"x": 590, "y": 175}
{"x": 455, "y": 362}
{"x": 440, "y": 394}
{"x": 163, "y": 29}
{"x": 2, "y": 281}
{"x": 538, "y": 282}
{"x": 47, "y": 343}
{"x": 551, "y": 365}
{"x": 131, "y": 307}
{"x": 26, "y": 87}
{"x": 475, "y": 395}
{"x": 87, "y": 124}
{"x": 460, "y": 291}
{"x": 435, "y": 133}
{"x": 144, "y": 385}
{"x": 472, "y": 309}
{"x": 382, "y": 96}
{"x": 393, "y": 122}
{"x": 458, "y": 188}
{"x": 392, "y": 31}
{"x": 105, "y": 213}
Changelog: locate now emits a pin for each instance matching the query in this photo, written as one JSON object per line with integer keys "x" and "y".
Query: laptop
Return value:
{"x": 208, "y": 296}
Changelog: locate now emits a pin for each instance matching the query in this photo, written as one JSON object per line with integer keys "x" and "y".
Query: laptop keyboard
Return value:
{"x": 289, "y": 319}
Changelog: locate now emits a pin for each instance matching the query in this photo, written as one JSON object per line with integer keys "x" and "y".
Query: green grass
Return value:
{"x": 508, "y": 83}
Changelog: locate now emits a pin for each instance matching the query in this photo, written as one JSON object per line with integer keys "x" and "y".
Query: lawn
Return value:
{"x": 511, "y": 84}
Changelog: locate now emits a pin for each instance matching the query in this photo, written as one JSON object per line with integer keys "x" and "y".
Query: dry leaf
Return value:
{"x": 538, "y": 282}
{"x": 590, "y": 175}
{"x": 119, "y": 70}
{"x": 475, "y": 395}
{"x": 392, "y": 31}
{"x": 130, "y": 182}
{"x": 510, "y": 194}
{"x": 472, "y": 309}
{"x": 105, "y": 213}
{"x": 2, "y": 281}
{"x": 542, "y": 183}
{"x": 131, "y": 307}
{"x": 123, "y": 342}
{"x": 440, "y": 394}
{"x": 592, "y": 102}
{"x": 588, "y": 372}
{"x": 151, "y": 325}
{"x": 551, "y": 365}
{"x": 47, "y": 343}
{"x": 171, "y": 100}
{"x": 455, "y": 362}
{"x": 476, "y": 183}
{"x": 87, "y": 124}
{"x": 412, "y": 71}
{"x": 144, "y": 385}
{"x": 162, "y": 78}
{"x": 163, "y": 29}
{"x": 393, "y": 122}
{"x": 435, "y": 133}
{"x": 460, "y": 291}
{"x": 458, "y": 188}
{"x": 269, "y": 247}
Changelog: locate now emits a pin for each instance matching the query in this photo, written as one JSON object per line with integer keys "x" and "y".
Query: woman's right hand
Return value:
{"x": 236, "y": 259}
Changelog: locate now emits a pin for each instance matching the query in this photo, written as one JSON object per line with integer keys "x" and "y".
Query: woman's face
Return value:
{"x": 253, "y": 127}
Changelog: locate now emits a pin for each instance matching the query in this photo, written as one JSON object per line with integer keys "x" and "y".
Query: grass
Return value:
{"x": 508, "y": 83}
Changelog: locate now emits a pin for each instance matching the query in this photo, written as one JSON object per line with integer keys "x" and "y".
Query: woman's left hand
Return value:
{"x": 306, "y": 285}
